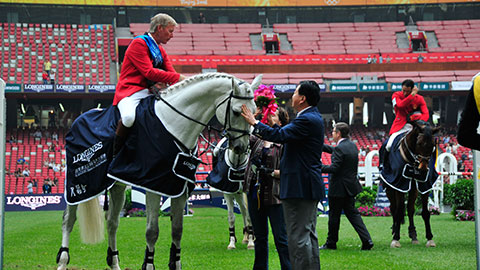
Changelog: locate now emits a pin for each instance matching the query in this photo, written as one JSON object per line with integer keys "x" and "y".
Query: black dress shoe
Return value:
{"x": 367, "y": 245}
{"x": 328, "y": 246}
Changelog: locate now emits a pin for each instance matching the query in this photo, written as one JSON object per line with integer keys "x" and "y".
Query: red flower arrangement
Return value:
{"x": 266, "y": 100}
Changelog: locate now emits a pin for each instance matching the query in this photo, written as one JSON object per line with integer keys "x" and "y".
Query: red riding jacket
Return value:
{"x": 403, "y": 106}
{"x": 137, "y": 68}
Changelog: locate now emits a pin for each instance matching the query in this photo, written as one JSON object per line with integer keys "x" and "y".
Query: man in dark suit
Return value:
{"x": 301, "y": 183}
{"x": 343, "y": 187}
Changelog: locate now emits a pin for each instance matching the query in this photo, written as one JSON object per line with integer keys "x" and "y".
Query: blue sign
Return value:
{"x": 38, "y": 88}
{"x": 34, "y": 202}
{"x": 343, "y": 87}
{"x": 373, "y": 87}
{"x": 432, "y": 86}
{"x": 70, "y": 88}
{"x": 101, "y": 88}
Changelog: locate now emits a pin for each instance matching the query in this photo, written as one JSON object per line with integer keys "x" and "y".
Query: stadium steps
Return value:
{"x": 402, "y": 40}
{"x": 284, "y": 43}
{"x": 123, "y": 32}
{"x": 256, "y": 41}
{"x": 432, "y": 39}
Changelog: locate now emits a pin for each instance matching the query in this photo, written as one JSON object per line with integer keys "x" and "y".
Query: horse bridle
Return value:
{"x": 416, "y": 157}
{"x": 225, "y": 128}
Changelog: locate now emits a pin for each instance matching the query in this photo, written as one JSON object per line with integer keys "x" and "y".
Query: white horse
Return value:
{"x": 186, "y": 106}
{"x": 233, "y": 192}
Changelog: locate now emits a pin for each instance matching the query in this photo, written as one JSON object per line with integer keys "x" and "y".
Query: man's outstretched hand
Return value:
{"x": 248, "y": 115}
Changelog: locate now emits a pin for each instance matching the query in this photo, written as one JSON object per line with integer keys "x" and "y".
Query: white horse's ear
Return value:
{"x": 256, "y": 82}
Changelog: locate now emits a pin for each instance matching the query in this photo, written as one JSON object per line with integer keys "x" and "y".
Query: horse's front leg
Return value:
{"x": 151, "y": 234}
{"x": 117, "y": 200}
{"x": 69, "y": 218}
{"x": 412, "y": 232}
{"x": 426, "y": 219}
{"x": 177, "y": 206}
{"x": 247, "y": 223}
{"x": 231, "y": 219}
{"x": 397, "y": 207}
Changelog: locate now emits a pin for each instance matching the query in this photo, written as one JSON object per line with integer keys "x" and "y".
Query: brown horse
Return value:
{"x": 410, "y": 161}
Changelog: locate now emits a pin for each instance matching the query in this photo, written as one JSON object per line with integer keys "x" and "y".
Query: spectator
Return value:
{"x": 18, "y": 172}
{"x": 446, "y": 139}
{"x": 12, "y": 139}
{"x": 369, "y": 59}
{"x": 380, "y": 58}
{"x": 54, "y": 136}
{"x": 52, "y": 77}
{"x": 26, "y": 172}
{"x": 45, "y": 78}
{"x": 448, "y": 149}
{"x": 201, "y": 18}
{"x": 461, "y": 166}
{"x": 455, "y": 148}
{"x": 20, "y": 161}
{"x": 37, "y": 134}
{"x": 363, "y": 152}
{"x": 35, "y": 183}
{"x": 47, "y": 66}
{"x": 51, "y": 148}
{"x": 374, "y": 60}
{"x": 30, "y": 187}
{"x": 388, "y": 59}
{"x": 47, "y": 188}
{"x": 420, "y": 59}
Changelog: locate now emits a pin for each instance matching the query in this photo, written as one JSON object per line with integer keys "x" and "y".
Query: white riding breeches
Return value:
{"x": 128, "y": 105}
{"x": 405, "y": 128}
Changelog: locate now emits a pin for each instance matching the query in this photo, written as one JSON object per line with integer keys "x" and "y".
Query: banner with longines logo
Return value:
{"x": 34, "y": 202}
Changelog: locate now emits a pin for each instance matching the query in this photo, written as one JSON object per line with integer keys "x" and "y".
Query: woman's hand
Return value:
{"x": 248, "y": 115}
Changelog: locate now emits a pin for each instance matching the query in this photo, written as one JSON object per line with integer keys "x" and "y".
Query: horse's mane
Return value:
{"x": 198, "y": 78}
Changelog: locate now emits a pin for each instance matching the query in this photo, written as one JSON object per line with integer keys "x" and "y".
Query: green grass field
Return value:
{"x": 32, "y": 240}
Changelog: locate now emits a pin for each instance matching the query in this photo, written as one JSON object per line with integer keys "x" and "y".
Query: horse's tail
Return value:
{"x": 91, "y": 222}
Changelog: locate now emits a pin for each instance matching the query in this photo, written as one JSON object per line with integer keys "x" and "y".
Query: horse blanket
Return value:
{"x": 224, "y": 177}
{"x": 151, "y": 158}
{"x": 89, "y": 147}
{"x": 400, "y": 175}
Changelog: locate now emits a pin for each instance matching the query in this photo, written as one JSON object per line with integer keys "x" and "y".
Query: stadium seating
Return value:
{"x": 341, "y": 38}
{"x": 454, "y": 35}
{"x": 78, "y": 53}
{"x": 208, "y": 39}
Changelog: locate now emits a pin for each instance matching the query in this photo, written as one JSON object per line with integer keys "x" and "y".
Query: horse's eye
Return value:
{"x": 237, "y": 114}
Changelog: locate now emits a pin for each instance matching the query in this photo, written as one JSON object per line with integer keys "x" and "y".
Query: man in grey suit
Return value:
{"x": 343, "y": 187}
{"x": 301, "y": 183}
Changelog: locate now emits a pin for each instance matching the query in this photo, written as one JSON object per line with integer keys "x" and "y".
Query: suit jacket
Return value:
{"x": 300, "y": 165}
{"x": 138, "y": 67}
{"x": 343, "y": 179}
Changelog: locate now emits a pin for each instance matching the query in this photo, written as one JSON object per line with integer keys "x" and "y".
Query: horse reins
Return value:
{"x": 210, "y": 127}
{"x": 416, "y": 157}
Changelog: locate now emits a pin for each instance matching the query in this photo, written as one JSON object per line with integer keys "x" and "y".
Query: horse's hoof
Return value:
{"x": 430, "y": 243}
{"x": 231, "y": 245}
{"x": 177, "y": 265}
{"x": 149, "y": 266}
{"x": 245, "y": 239}
{"x": 251, "y": 243}
{"x": 395, "y": 244}
{"x": 63, "y": 258}
{"x": 415, "y": 242}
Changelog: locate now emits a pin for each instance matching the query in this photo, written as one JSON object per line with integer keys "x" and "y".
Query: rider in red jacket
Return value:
{"x": 146, "y": 65}
{"x": 406, "y": 104}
